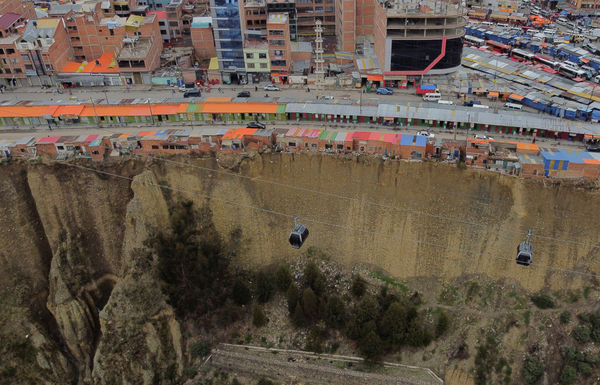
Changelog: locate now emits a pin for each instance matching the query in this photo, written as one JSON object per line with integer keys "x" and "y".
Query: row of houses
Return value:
{"x": 234, "y": 111}
{"x": 516, "y": 158}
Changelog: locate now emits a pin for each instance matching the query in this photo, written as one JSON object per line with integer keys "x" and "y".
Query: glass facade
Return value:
{"x": 416, "y": 55}
{"x": 228, "y": 34}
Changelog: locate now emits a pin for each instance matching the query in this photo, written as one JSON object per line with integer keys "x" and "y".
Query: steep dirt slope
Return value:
{"x": 75, "y": 283}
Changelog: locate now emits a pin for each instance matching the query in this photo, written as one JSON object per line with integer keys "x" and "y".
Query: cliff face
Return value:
{"x": 79, "y": 302}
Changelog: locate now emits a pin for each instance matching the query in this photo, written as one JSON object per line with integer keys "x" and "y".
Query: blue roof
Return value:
{"x": 421, "y": 141}
{"x": 428, "y": 87}
{"x": 571, "y": 156}
{"x": 406, "y": 140}
{"x": 161, "y": 132}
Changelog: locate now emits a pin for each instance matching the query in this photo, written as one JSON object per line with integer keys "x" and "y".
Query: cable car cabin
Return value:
{"x": 524, "y": 253}
{"x": 298, "y": 236}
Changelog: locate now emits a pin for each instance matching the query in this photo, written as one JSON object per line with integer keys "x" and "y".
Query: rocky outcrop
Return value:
{"x": 79, "y": 302}
{"x": 136, "y": 322}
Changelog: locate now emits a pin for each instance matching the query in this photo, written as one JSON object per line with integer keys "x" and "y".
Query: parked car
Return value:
{"x": 270, "y": 87}
{"x": 255, "y": 124}
{"x": 187, "y": 86}
{"x": 426, "y": 133}
{"x": 328, "y": 97}
{"x": 481, "y": 136}
{"x": 192, "y": 94}
{"x": 470, "y": 103}
{"x": 243, "y": 94}
{"x": 384, "y": 91}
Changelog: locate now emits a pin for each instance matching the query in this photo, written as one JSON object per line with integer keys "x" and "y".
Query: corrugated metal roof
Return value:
{"x": 331, "y": 109}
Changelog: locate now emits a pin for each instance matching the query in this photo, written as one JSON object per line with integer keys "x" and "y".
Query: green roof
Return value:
{"x": 324, "y": 135}
{"x": 280, "y": 109}
{"x": 193, "y": 108}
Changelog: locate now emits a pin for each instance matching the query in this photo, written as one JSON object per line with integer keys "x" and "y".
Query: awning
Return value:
{"x": 516, "y": 97}
{"x": 375, "y": 78}
{"x": 493, "y": 94}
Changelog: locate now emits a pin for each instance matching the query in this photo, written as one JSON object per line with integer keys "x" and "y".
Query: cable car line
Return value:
{"x": 275, "y": 212}
{"x": 369, "y": 202}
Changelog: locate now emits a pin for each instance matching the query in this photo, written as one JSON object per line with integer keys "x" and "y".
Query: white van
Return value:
{"x": 480, "y": 106}
{"x": 486, "y": 23}
{"x": 512, "y": 106}
{"x": 448, "y": 102}
{"x": 432, "y": 96}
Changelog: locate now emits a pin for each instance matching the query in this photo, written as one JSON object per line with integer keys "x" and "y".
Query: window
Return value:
{"x": 161, "y": 23}
{"x": 60, "y": 148}
{"x": 25, "y": 57}
{"x": 281, "y": 63}
{"x": 112, "y": 32}
{"x": 340, "y": 146}
{"x": 318, "y": 9}
{"x": 262, "y": 55}
{"x": 154, "y": 147}
{"x": 329, "y": 9}
{"x": 276, "y": 32}
{"x": 251, "y": 65}
{"x": 249, "y": 55}
{"x": 173, "y": 23}
{"x": 7, "y": 70}
{"x": 18, "y": 70}
{"x": 263, "y": 65}
{"x": 49, "y": 67}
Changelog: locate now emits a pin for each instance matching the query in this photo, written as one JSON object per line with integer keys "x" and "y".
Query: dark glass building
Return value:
{"x": 228, "y": 40}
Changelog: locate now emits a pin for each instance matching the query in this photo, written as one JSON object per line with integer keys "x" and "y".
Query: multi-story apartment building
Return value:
{"x": 174, "y": 19}
{"x": 202, "y": 38}
{"x": 254, "y": 18}
{"x": 227, "y": 30}
{"x": 353, "y": 18}
{"x": 278, "y": 36}
{"x": 258, "y": 64}
{"x": 289, "y": 7}
{"x": 163, "y": 24}
{"x": 590, "y": 5}
{"x": 308, "y": 11}
{"x": 25, "y": 9}
{"x": 45, "y": 49}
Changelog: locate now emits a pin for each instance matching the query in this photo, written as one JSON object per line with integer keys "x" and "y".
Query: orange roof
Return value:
{"x": 527, "y": 146}
{"x": 165, "y": 109}
{"x": 493, "y": 93}
{"x": 112, "y": 110}
{"x": 182, "y": 109}
{"x": 125, "y": 135}
{"x": 239, "y": 108}
{"x": 238, "y": 133}
{"x": 217, "y": 99}
{"x": 591, "y": 161}
{"x": 516, "y": 97}
{"x": 104, "y": 64}
{"x": 146, "y": 133}
{"x": 69, "y": 110}
{"x": 26, "y": 112}
{"x": 375, "y": 78}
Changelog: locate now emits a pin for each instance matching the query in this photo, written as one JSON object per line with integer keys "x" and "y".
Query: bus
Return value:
{"x": 474, "y": 41}
{"x": 522, "y": 55}
{"x": 570, "y": 72}
{"x": 497, "y": 47}
{"x": 546, "y": 61}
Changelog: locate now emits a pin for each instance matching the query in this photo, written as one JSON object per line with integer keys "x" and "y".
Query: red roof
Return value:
{"x": 6, "y": 21}
{"x": 162, "y": 15}
{"x": 48, "y": 139}
{"x": 106, "y": 64}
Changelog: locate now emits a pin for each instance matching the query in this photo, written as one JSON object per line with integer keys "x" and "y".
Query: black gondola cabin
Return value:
{"x": 524, "y": 253}
{"x": 298, "y": 236}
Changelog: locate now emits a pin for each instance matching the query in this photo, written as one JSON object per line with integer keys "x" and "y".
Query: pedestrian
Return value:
{"x": 220, "y": 90}
{"x": 256, "y": 88}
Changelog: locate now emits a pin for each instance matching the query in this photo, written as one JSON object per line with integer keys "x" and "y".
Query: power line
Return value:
{"x": 306, "y": 219}
{"x": 368, "y": 202}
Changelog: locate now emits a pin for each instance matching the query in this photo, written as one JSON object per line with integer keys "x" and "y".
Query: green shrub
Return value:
{"x": 584, "y": 368}
{"x": 258, "y": 317}
{"x": 264, "y": 381}
{"x": 240, "y": 292}
{"x": 581, "y": 334}
{"x": 533, "y": 370}
{"x": 543, "y": 301}
{"x": 442, "y": 324}
{"x": 264, "y": 287}
{"x": 293, "y": 296}
{"x": 565, "y": 317}
{"x": 335, "y": 312}
{"x": 370, "y": 346}
{"x": 359, "y": 286}
{"x": 568, "y": 376}
{"x": 200, "y": 349}
{"x": 283, "y": 278}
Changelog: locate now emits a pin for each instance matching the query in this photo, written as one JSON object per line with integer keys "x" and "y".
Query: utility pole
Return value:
{"x": 106, "y": 96}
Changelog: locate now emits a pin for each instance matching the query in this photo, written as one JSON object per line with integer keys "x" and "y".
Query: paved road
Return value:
{"x": 158, "y": 93}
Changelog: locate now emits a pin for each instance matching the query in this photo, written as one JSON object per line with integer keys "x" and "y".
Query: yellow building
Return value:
{"x": 257, "y": 63}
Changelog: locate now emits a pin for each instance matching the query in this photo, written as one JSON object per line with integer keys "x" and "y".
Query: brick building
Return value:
{"x": 280, "y": 53}
{"x": 203, "y": 39}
